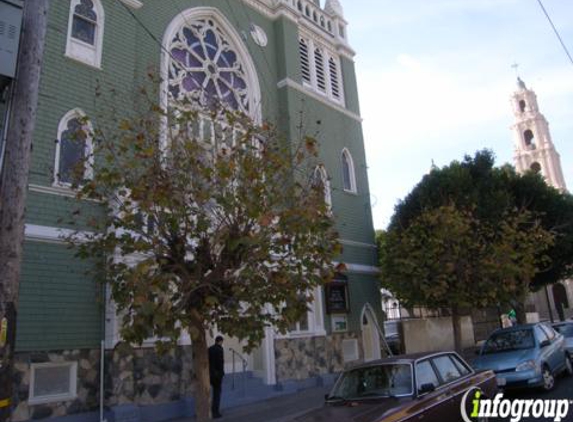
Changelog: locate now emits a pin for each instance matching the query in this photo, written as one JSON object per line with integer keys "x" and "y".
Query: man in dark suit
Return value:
{"x": 216, "y": 373}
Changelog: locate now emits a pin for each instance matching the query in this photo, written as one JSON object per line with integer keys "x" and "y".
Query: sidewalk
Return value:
{"x": 287, "y": 407}
{"x": 279, "y": 409}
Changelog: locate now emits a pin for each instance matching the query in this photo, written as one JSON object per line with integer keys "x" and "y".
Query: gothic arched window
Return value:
{"x": 320, "y": 178}
{"x": 348, "y": 176}
{"x": 207, "y": 64}
{"x": 522, "y": 105}
{"x": 73, "y": 148}
{"x": 85, "y": 31}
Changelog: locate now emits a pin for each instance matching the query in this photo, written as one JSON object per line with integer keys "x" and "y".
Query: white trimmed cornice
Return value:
{"x": 357, "y": 244}
{"x": 38, "y": 233}
{"x": 360, "y": 268}
{"x": 274, "y": 10}
{"x": 53, "y": 190}
{"x": 134, "y": 4}
{"x": 287, "y": 82}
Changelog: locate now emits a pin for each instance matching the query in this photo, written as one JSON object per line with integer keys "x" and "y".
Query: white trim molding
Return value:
{"x": 360, "y": 268}
{"x": 134, "y": 4}
{"x": 51, "y": 234}
{"x": 357, "y": 244}
{"x": 288, "y": 82}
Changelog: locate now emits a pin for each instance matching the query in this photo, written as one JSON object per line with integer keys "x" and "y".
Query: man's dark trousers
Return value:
{"x": 216, "y": 374}
{"x": 216, "y": 384}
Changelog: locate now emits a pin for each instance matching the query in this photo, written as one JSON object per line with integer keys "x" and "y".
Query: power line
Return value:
{"x": 556, "y": 31}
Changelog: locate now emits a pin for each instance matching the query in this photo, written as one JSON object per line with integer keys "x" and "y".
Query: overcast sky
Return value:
{"x": 435, "y": 78}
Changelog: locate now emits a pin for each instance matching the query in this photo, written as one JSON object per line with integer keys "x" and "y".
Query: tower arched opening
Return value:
{"x": 529, "y": 139}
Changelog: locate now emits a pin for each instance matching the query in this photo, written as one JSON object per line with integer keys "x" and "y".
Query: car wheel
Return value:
{"x": 568, "y": 365}
{"x": 548, "y": 379}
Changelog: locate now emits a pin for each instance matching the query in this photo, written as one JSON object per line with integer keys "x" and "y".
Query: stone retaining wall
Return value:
{"x": 307, "y": 357}
{"x": 134, "y": 376}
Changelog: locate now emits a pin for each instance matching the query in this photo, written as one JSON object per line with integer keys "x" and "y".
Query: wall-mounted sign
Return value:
{"x": 337, "y": 297}
{"x": 339, "y": 323}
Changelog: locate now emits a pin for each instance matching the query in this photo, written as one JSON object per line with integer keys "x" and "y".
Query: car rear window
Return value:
{"x": 507, "y": 341}
{"x": 385, "y": 380}
{"x": 447, "y": 369}
{"x": 462, "y": 366}
{"x": 565, "y": 329}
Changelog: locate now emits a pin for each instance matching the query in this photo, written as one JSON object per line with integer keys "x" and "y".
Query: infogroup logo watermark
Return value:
{"x": 517, "y": 409}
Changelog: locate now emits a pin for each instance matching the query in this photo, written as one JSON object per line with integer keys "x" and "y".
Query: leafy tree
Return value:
{"x": 486, "y": 199}
{"x": 448, "y": 258}
{"x": 225, "y": 228}
{"x": 475, "y": 183}
{"x": 555, "y": 211}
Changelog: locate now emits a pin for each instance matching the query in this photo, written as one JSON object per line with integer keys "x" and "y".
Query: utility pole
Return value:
{"x": 14, "y": 185}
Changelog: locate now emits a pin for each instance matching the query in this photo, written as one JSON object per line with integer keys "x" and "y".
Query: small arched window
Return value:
{"x": 535, "y": 167}
{"x": 320, "y": 179}
{"x": 529, "y": 139}
{"x": 522, "y": 105}
{"x": 74, "y": 149}
{"x": 85, "y": 31}
{"x": 348, "y": 176}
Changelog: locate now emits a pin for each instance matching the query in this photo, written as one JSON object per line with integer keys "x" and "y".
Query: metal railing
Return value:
{"x": 244, "y": 363}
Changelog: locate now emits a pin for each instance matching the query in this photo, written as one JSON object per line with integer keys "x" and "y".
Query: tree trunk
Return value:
{"x": 457, "y": 326}
{"x": 520, "y": 313}
{"x": 201, "y": 368}
{"x": 14, "y": 184}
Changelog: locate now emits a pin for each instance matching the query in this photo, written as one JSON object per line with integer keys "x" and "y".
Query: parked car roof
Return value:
{"x": 407, "y": 358}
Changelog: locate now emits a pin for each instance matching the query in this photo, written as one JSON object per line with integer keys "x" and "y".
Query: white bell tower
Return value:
{"x": 534, "y": 149}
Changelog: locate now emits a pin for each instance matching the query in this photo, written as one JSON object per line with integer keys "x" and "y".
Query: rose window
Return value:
{"x": 205, "y": 67}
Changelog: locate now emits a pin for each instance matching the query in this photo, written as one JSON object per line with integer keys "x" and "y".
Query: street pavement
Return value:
{"x": 278, "y": 409}
{"x": 286, "y": 408}
{"x": 563, "y": 390}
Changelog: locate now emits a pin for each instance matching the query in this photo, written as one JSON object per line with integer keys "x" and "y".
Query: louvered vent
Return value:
{"x": 304, "y": 61}
{"x": 335, "y": 86}
{"x": 319, "y": 64}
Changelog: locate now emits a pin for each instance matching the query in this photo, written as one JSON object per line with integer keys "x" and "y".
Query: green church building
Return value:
{"x": 280, "y": 61}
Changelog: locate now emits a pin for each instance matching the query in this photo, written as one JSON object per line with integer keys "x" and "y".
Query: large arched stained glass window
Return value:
{"x": 205, "y": 66}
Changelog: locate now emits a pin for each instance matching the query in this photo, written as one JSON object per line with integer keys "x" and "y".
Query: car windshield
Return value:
{"x": 509, "y": 340}
{"x": 385, "y": 380}
{"x": 565, "y": 329}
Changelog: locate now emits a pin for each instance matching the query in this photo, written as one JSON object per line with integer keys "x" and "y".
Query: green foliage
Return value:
{"x": 555, "y": 211}
{"x": 448, "y": 258}
{"x": 210, "y": 218}
{"x": 471, "y": 234}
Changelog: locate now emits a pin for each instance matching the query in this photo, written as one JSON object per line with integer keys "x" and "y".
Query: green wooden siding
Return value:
{"x": 59, "y": 304}
{"x": 57, "y": 307}
{"x": 362, "y": 289}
